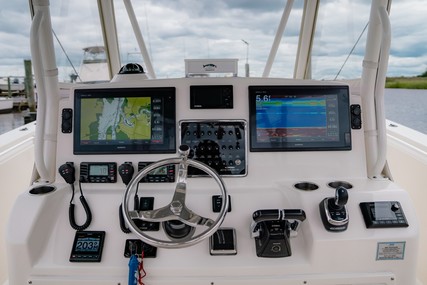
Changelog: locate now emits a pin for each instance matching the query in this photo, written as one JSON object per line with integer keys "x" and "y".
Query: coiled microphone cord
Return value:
{"x": 85, "y": 205}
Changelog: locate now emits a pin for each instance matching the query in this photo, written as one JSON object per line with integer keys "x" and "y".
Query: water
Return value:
{"x": 407, "y": 107}
{"x": 11, "y": 121}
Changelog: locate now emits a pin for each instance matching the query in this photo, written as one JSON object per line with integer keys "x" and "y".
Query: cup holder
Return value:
{"x": 336, "y": 184}
{"x": 306, "y": 186}
{"x": 39, "y": 190}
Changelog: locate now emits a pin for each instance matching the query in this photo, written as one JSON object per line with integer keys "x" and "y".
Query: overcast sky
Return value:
{"x": 175, "y": 30}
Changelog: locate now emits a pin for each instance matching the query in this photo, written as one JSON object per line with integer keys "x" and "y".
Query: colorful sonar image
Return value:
{"x": 296, "y": 119}
{"x": 115, "y": 119}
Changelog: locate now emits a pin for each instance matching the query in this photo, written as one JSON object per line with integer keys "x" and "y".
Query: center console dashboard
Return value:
{"x": 151, "y": 119}
{"x": 282, "y": 148}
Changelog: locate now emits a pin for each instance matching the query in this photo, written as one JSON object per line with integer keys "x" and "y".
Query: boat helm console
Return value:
{"x": 207, "y": 179}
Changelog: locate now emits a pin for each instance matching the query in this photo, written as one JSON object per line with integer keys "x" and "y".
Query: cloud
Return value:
{"x": 14, "y": 37}
{"x": 175, "y": 30}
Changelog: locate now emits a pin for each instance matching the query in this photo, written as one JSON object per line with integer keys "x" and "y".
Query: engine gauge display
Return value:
{"x": 87, "y": 246}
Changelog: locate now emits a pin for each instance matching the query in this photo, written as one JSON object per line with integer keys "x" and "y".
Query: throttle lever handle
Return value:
{"x": 259, "y": 216}
{"x": 341, "y": 197}
{"x": 277, "y": 214}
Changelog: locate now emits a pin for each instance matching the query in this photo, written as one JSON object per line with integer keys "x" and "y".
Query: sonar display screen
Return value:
{"x": 287, "y": 118}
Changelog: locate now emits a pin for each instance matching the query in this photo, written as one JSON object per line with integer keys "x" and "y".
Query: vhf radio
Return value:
{"x": 98, "y": 172}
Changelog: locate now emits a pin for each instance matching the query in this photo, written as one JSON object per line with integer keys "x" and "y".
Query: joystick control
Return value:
{"x": 333, "y": 211}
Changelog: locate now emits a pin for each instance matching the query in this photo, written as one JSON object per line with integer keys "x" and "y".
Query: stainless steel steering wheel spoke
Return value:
{"x": 176, "y": 209}
{"x": 192, "y": 219}
{"x": 166, "y": 214}
{"x": 157, "y": 215}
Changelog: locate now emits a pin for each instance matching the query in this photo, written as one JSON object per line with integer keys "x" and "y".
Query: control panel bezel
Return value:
{"x": 222, "y": 149}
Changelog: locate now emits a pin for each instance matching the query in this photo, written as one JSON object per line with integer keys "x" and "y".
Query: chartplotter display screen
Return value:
{"x": 299, "y": 118}
{"x": 125, "y": 120}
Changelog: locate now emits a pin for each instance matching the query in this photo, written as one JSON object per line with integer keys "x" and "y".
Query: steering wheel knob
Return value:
{"x": 184, "y": 150}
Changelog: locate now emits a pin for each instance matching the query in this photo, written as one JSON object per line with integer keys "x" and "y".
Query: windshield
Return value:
{"x": 243, "y": 30}
{"x": 178, "y": 30}
{"x": 340, "y": 39}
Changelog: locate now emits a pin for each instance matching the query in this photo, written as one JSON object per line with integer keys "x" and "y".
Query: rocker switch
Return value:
{"x": 217, "y": 203}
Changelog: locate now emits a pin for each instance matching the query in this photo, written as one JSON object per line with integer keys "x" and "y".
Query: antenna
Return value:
{"x": 247, "y": 58}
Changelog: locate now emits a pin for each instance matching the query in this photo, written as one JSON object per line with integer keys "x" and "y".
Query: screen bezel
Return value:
{"x": 342, "y": 92}
{"x": 169, "y": 121}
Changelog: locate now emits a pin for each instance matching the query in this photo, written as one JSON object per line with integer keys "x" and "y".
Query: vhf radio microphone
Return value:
{"x": 67, "y": 172}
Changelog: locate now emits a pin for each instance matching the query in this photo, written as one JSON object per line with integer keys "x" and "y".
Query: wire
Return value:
{"x": 122, "y": 223}
{"x": 141, "y": 270}
{"x": 72, "y": 194}
{"x": 71, "y": 211}
{"x": 66, "y": 55}
{"x": 351, "y": 51}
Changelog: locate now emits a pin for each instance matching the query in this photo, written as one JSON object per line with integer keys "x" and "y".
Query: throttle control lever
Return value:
{"x": 272, "y": 230}
{"x": 333, "y": 211}
{"x": 294, "y": 216}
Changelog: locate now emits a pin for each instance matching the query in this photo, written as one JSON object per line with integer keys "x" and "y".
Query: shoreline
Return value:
{"x": 415, "y": 82}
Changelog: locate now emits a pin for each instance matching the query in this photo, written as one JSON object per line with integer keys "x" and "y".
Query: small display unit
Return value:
{"x": 211, "y": 97}
{"x": 87, "y": 246}
{"x": 124, "y": 120}
{"x": 162, "y": 174}
{"x": 384, "y": 214}
{"x": 299, "y": 118}
{"x": 98, "y": 172}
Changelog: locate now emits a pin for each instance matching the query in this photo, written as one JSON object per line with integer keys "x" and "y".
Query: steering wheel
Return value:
{"x": 176, "y": 210}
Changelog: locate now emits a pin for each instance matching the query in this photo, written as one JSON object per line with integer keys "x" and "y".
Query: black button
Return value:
{"x": 217, "y": 203}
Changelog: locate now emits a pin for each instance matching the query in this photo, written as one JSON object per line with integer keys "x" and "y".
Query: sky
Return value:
{"x": 184, "y": 29}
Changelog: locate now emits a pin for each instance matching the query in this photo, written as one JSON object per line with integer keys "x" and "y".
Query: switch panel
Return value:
{"x": 356, "y": 117}
{"x": 67, "y": 121}
{"x": 219, "y": 144}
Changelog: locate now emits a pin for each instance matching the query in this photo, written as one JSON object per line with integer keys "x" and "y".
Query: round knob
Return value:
{"x": 184, "y": 150}
{"x": 395, "y": 207}
{"x": 356, "y": 110}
